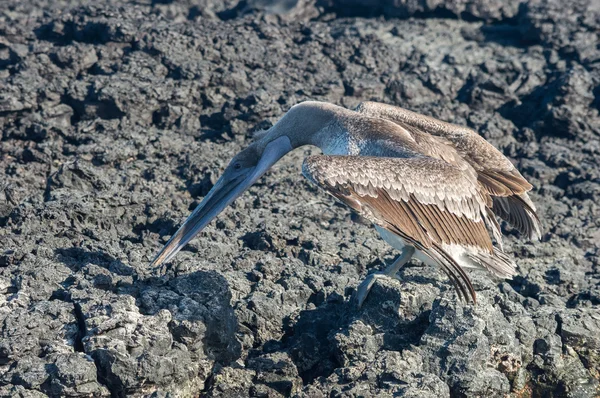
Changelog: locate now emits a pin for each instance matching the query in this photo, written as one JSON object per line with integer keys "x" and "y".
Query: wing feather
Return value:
{"x": 432, "y": 199}
{"x": 520, "y": 213}
{"x": 456, "y": 145}
{"x": 426, "y": 201}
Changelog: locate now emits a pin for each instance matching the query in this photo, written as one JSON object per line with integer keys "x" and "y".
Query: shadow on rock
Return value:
{"x": 337, "y": 334}
{"x": 200, "y": 303}
{"x": 150, "y": 331}
{"x": 77, "y": 258}
{"x": 308, "y": 340}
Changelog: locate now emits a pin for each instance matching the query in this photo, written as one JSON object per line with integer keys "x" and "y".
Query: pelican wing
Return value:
{"x": 426, "y": 201}
{"x": 496, "y": 174}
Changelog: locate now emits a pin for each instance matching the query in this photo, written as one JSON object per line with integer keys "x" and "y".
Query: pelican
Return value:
{"x": 431, "y": 189}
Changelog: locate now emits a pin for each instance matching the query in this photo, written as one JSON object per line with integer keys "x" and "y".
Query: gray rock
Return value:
{"x": 117, "y": 118}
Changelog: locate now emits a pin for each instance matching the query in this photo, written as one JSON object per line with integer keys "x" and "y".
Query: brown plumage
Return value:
{"x": 427, "y": 202}
{"x": 428, "y": 199}
{"x": 455, "y": 144}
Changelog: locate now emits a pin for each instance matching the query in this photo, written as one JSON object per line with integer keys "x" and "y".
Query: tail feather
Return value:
{"x": 498, "y": 263}
{"x": 519, "y": 211}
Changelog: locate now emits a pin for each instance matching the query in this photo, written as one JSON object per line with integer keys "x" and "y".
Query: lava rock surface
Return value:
{"x": 117, "y": 117}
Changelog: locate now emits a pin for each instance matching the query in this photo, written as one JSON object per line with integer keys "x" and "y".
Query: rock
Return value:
{"x": 117, "y": 118}
{"x": 576, "y": 330}
{"x": 492, "y": 11}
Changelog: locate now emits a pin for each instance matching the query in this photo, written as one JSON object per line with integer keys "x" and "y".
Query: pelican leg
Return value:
{"x": 362, "y": 291}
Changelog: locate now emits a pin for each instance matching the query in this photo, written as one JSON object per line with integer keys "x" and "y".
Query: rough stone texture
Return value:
{"x": 117, "y": 117}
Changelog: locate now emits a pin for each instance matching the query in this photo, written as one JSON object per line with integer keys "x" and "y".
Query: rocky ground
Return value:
{"x": 117, "y": 117}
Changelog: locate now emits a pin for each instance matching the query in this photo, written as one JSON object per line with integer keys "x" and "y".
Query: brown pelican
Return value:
{"x": 432, "y": 189}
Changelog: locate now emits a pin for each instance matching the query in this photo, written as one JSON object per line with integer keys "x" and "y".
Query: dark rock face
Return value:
{"x": 116, "y": 117}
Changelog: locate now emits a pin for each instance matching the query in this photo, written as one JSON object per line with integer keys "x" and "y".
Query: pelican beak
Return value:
{"x": 223, "y": 193}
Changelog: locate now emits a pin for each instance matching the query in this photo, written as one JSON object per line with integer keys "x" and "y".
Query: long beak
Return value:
{"x": 219, "y": 197}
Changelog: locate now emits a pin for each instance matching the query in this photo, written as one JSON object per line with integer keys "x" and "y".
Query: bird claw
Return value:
{"x": 362, "y": 291}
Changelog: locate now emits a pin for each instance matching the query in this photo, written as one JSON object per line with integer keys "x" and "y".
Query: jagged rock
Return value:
{"x": 117, "y": 118}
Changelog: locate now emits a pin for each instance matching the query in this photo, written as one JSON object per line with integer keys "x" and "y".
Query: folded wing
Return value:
{"x": 495, "y": 173}
{"x": 429, "y": 203}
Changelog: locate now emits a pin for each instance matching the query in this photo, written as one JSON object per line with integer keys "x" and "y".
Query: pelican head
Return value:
{"x": 243, "y": 171}
{"x": 297, "y": 127}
